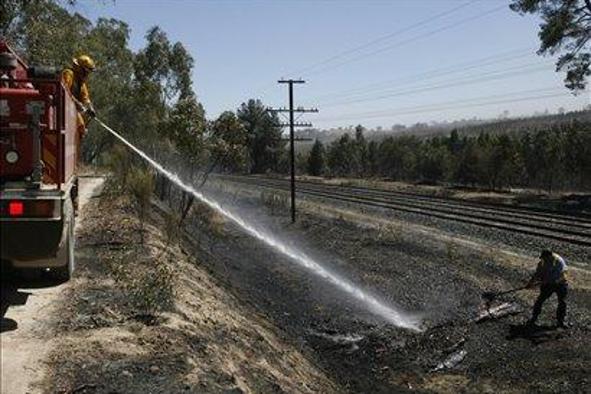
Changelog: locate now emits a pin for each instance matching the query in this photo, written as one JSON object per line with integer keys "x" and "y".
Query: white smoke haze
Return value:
{"x": 378, "y": 307}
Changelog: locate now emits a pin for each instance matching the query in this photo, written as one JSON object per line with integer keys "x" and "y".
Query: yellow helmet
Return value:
{"x": 85, "y": 62}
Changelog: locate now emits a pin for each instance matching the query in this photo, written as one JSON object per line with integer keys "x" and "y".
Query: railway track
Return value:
{"x": 561, "y": 227}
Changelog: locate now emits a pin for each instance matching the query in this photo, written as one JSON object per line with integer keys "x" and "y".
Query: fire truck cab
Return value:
{"x": 38, "y": 153}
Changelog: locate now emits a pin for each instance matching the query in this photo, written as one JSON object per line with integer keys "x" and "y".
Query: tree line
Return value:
{"x": 473, "y": 126}
{"x": 551, "y": 158}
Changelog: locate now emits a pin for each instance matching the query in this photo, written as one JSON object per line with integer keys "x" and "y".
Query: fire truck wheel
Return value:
{"x": 64, "y": 273}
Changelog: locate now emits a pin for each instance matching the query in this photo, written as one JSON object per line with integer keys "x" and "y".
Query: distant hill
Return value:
{"x": 464, "y": 127}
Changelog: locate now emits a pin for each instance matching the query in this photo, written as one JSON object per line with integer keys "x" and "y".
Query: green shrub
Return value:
{"x": 140, "y": 186}
{"x": 209, "y": 218}
{"x": 119, "y": 163}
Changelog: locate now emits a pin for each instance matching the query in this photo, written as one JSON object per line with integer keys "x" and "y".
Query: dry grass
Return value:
{"x": 140, "y": 186}
{"x": 389, "y": 233}
{"x": 277, "y": 202}
{"x": 209, "y": 219}
{"x": 451, "y": 250}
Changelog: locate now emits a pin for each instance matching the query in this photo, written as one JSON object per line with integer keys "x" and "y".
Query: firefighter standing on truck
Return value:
{"x": 551, "y": 276}
{"x": 75, "y": 78}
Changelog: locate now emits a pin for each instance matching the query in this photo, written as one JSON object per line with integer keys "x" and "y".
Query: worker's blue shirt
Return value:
{"x": 551, "y": 272}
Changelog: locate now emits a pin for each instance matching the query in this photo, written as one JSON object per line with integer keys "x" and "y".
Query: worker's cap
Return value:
{"x": 85, "y": 62}
{"x": 545, "y": 253}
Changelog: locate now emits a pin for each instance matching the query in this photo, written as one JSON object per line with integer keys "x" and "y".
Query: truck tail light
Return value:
{"x": 16, "y": 208}
{"x": 23, "y": 209}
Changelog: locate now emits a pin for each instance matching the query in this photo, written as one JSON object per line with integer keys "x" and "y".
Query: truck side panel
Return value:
{"x": 57, "y": 126}
{"x": 38, "y": 130}
{"x": 70, "y": 138}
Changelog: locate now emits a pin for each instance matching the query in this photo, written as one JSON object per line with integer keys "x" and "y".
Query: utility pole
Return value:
{"x": 292, "y": 126}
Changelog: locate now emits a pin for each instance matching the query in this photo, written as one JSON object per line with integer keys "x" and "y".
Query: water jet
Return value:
{"x": 376, "y": 306}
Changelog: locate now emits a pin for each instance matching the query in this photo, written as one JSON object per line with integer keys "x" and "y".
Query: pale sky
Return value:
{"x": 374, "y": 62}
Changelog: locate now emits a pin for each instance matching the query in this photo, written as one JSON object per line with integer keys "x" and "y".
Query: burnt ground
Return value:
{"x": 441, "y": 279}
{"x": 245, "y": 318}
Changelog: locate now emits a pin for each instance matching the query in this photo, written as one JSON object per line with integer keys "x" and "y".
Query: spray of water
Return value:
{"x": 391, "y": 315}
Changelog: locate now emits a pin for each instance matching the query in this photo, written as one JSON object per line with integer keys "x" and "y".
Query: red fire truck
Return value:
{"x": 38, "y": 183}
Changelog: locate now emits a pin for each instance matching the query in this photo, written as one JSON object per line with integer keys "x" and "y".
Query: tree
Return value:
{"x": 264, "y": 136}
{"x": 397, "y": 157}
{"x": 550, "y": 145}
{"x": 433, "y": 162}
{"x": 503, "y": 161}
{"x": 9, "y": 12}
{"x": 454, "y": 144}
{"x": 152, "y": 62}
{"x": 181, "y": 64}
{"x": 229, "y": 141}
{"x": 466, "y": 171}
{"x": 372, "y": 157}
{"x": 341, "y": 156}
{"x": 185, "y": 126}
{"x": 577, "y": 160}
{"x": 316, "y": 159}
{"x": 360, "y": 151}
{"x": 566, "y": 29}
{"x": 43, "y": 31}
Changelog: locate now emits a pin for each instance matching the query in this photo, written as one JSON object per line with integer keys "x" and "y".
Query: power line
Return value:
{"x": 493, "y": 76}
{"x": 380, "y": 39}
{"x": 467, "y": 103}
{"x": 401, "y": 43}
{"x": 453, "y": 102}
{"x": 434, "y": 73}
{"x": 264, "y": 88}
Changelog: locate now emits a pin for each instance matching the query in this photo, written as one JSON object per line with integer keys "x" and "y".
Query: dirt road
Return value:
{"x": 28, "y": 310}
